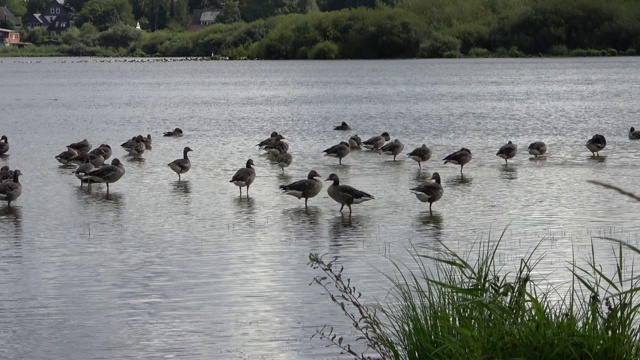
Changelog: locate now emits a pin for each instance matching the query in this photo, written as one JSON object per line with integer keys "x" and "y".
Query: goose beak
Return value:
{"x": 327, "y": 179}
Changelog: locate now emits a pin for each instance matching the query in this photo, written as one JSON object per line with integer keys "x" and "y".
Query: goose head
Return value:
{"x": 333, "y": 177}
{"x": 274, "y": 134}
{"x": 116, "y": 162}
{"x": 436, "y": 177}
{"x": 386, "y": 136}
{"x": 249, "y": 163}
{"x": 632, "y": 129}
{"x": 313, "y": 174}
{"x": 466, "y": 150}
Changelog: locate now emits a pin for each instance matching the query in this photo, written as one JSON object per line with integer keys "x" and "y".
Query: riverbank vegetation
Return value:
{"x": 377, "y": 29}
{"x": 461, "y": 308}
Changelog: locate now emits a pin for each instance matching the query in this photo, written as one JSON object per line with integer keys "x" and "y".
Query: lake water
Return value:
{"x": 162, "y": 269}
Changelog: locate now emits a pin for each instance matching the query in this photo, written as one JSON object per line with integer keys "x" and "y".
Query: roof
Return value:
{"x": 7, "y": 15}
{"x": 209, "y": 15}
{"x": 8, "y": 31}
{"x": 38, "y": 18}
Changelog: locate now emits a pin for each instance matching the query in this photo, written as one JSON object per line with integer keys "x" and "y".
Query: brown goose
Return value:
{"x": 65, "y": 157}
{"x": 342, "y": 126}
{"x": 430, "y": 191}
{"x": 4, "y": 144}
{"x": 376, "y": 142}
{"x": 596, "y": 144}
{"x": 5, "y": 174}
{"x": 393, "y": 148}
{"x": 308, "y": 188}
{"x": 104, "y": 150}
{"x": 507, "y": 151}
{"x": 181, "y": 166}
{"x": 268, "y": 141}
{"x": 81, "y": 146}
{"x": 83, "y": 170}
{"x": 11, "y": 190}
{"x": 96, "y": 160}
{"x": 177, "y": 132}
{"x": 284, "y": 160}
{"x": 340, "y": 151}
{"x": 147, "y": 142}
{"x": 420, "y": 154}
{"x": 277, "y": 147}
{"x": 345, "y": 194}
{"x": 106, "y": 174}
{"x": 244, "y": 177}
{"x": 537, "y": 148}
{"x": 460, "y": 157}
{"x": 634, "y": 134}
{"x": 355, "y": 142}
{"x": 136, "y": 148}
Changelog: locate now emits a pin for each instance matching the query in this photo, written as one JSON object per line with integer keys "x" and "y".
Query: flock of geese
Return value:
{"x": 91, "y": 166}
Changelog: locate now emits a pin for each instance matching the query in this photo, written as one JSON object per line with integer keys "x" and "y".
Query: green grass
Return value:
{"x": 474, "y": 309}
{"x": 30, "y": 51}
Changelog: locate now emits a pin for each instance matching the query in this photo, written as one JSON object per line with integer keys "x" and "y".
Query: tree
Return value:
{"x": 230, "y": 12}
{"x": 106, "y": 13}
{"x": 36, "y": 6}
{"x": 258, "y": 9}
{"x": 179, "y": 12}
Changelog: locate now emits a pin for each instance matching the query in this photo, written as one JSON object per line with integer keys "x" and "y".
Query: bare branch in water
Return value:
{"x": 618, "y": 189}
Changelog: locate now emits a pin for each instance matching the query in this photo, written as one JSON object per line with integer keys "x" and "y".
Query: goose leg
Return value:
{"x": 461, "y": 166}
{"x": 341, "y": 207}
{"x": 107, "y": 188}
{"x": 240, "y": 191}
{"x": 430, "y": 212}
{"x": 340, "y": 161}
{"x": 178, "y": 177}
{"x": 305, "y": 203}
{"x": 247, "y": 191}
{"x": 349, "y": 210}
{"x": 419, "y": 165}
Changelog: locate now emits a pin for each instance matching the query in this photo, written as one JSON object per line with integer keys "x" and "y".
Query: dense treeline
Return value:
{"x": 313, "y": 29}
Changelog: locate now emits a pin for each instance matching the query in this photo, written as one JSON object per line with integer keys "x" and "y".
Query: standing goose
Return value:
{"x": 181, "y": 166}
{"x": 355, "y": 142}
{"x": 596, "y": 144}
{"x": 137, "y": 148}
{"x": 342, "y": 126}
{"x": 106, "y": 174}
{"x": 11, "y": 190}
{"x": 4, "y": 144}
{"x": 634, "y": 134}
{"x": 104, "y": 150}
{"x": 393, "y": 148}
{"x": 339, "y": 151}
{"x": 81, "y": 146}
{"x": 83, "y": 170}
{"x": 244, "y": 177}
{"x": 147, "y": 142}
{"x": 430, "y": 191}
{"x": 268, "y": 141}
{"x": 308, "y": 188}
{"x": 420, "y": 154}
{"x": 177, "y": 132}
{"x": 284, "y": 160}
{"x": 537, "y": 148}
{"x": 376, "y": 142}
{"x": 65, "y": 157}
{"x": 460, "y": 157}
{"x": 345, "y": 194}
{"x": 507, "y": 151}
{"x": 5, "y": 174}
{"x": 277, "y": 147}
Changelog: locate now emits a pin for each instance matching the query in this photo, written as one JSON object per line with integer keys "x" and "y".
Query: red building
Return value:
{"x": 9, "y": 36}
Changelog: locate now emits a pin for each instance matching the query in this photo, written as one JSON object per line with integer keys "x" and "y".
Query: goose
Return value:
{"x": 537, "y": 148}
{"x": 65, "y": 157}
{"x": 345, "y": 194}
{"x": 278, "y": 147}
{"x": 355, "y": 142}
{"x": 460, "y": 157}
{"x": 634, "y": 134}
{"x": 308, "y": 188}
{"x": 342, "y": 126}
{"x": 284, "y": 160}
{"x": 81, "y": 146}
{"x": 244, "y": 177}
{"x": 104, "y": 150}
{"x": 177, "y": 132}
{"x": 376, "y": 142}
{"x": 340, "y": 151}
{"x": 181, "y": 166}
{"x": 11, "y": 190}
{"x": 106, "y": 174}
{"x": 4, "y": 144}
{"x": 83, "y": 170}
{"x": 130, "y": 142}
{"x": 5, "y": 174}
{"x": 137, "y": 148}
{"x": 420, "y": 154}
{"x": 268, "y": 141}
{"x": 393, "y": 148}
{"x": 507, "y": 151}
{"x": 96, "y": 160}
{"x": 147, "y": 142}
{"x": 430, "y": 191}
{"x": 596, "y": 144}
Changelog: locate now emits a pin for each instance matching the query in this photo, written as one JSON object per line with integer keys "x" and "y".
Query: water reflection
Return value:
{"x": 538, "y": 158}
{"x": 345, "y": 229}
{"x": 284, "y": 178}
{"x": 136, "y": 160}
{"x": 299, "y": 215}
{"x": 508, "y": 172}
{"x": 459, "y": 180}
{"x": 245, "y": 205}
{"x": 599, "y": 159}
{"x": 422, "y": 176}
{"x": 12, "y": 216}
{"x": 430, "y": 224}
{"x": 181, "y": 187}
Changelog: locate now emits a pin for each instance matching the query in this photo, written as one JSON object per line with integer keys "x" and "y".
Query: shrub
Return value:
{"x": 579, "y": 52}
{"x": 325, "y": 50}
{"x": 479, "y": 53}
{"x": 437, "y": 45}
{"x": 119, "y": 36}
{"x": 558, "y": 50}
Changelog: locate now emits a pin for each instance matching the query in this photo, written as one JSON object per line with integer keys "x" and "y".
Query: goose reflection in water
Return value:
{"x": 508, "y": 172}
{"x": 181, "y": 187}
{"x": 245, "y": 205}
{"x": 301, "y": 216}
{"x": 348, "y": 230}
{"x": 422, "y": 176}
{"x": 429, "y": 224}
{"x": 12, "y": 217}
{"x": 285, "y": 178}
{"x": 459, "y": 180}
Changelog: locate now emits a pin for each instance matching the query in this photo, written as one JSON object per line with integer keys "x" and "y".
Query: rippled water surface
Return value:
{"x": 164, "y": 269}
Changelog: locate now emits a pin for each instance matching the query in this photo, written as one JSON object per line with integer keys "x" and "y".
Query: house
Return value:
{"x": 56, "y": 18}
{"x": 6, "y": 16}
{"x": 9, "y": 37}
{"x": 201, "y": 18}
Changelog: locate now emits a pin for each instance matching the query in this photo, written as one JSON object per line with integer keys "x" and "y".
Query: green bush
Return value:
{"x": 325, "y": 50}
{"x": 119, "y": 36}
{"x": 437, "y": 45}
{"x": 558, "y": 50}
{"x": 579, "y": 52}
{"x": 479, "y": 53}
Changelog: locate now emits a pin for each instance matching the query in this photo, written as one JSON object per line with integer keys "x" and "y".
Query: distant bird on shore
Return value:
{"x": 537, "y": 148}
{"x": 507, "y": 151}
{"x": 4, "y": 144}
{"x": 11, "y": 190}
{"x": 355, "y": 142}
{"x": 177, "y": 132}
{"x": 304, "y": 189}
{"x": 376, "y": 142}
{"x": 345, "y": 194}
{"x": 181, "y": 166}
{"x": 342, "y": 126}
{"x": 430, "y": 191}
{"x": 244, "y": 177}
{"x": 460, "y": 157}
{"x": 634, "y": 134}
{"x": 338, "y": 151}
{"x": 393, "y": 148}
{"x": 106, "y": 174}
{"x": 420, "y": 154}
{"x": 596, "y": 144}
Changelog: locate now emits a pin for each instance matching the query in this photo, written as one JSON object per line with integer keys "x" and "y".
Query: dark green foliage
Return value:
{"x": 119, "y": 36}
{"x": 34, "y": 7}
{"x": 230, "y": 12}
{"x": 106, "y": 13}
{"x": 437, "y": 45}
{"x": 35, "y": 36}
{"x": 325, "y": 50}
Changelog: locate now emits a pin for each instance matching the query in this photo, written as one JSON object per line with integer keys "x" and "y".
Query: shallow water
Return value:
{"x": 166, "y": 269}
